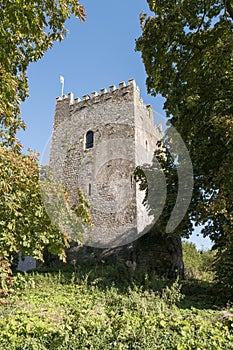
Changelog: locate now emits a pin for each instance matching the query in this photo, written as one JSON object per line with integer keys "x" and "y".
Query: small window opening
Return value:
{"x": 146, "y": 145}
{"x": 89, "y": 139}
{"x": 89, "y": 189}
{"x": 131, "y": 181}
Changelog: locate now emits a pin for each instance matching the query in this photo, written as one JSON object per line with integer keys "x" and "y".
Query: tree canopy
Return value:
{"x": 187, "y": 50}
{"x": 24, "y": 223}
{"x": 28, "y": 30}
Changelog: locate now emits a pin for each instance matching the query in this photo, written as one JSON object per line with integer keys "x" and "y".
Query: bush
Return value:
{"x": 198, "y": 264}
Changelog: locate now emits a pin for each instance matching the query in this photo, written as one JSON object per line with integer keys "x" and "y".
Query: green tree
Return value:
{"x": 198, "y": 264}
{"x": 161, "y": 173}
{"x": 187, "y": 50}
{"x": 25, "y": 226}
{"x": 28, "y": 30}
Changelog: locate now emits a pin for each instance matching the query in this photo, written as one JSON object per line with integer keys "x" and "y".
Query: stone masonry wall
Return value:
{"x": 104, "y": 172}
{"x": 124, "y": 137}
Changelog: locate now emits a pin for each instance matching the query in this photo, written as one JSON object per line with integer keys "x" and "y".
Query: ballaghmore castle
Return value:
{"x": 97, "y": 142}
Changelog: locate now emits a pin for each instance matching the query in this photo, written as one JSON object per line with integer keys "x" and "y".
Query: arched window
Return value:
{"x": 89, "y": 139}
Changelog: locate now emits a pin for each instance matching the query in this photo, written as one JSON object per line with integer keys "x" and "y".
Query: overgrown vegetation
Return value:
{"x": 198, "y": 264}
{"x": 25, "y": 225}
{"x": 99, "y": 307}
{"x": 28, "y": 30}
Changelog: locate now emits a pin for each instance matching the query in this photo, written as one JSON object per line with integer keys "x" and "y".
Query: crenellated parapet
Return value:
{"x": 67, "y": 105}
{"x": 95, "y": 97}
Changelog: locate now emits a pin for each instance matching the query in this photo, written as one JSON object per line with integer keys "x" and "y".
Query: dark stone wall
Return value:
{"x": 155, "y": 252}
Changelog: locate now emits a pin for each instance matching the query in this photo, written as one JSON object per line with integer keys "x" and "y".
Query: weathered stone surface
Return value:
{"x": 26, "y": 264}
{"x": 124, "y": 137}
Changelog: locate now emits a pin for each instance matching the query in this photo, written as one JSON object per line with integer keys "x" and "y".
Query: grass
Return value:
{"x": 101, "y": 307}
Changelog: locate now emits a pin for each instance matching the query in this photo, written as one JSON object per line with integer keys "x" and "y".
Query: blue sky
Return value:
{"x": 94, "y": 55}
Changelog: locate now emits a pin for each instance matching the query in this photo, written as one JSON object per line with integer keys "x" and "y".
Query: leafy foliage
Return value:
{"x": 6, "y": 280}
{"x": 56, "y": 199}
{"x": 198, "y": 264}
{"x": 24, "y": 224}
{"x": 187, "y": 51}
{"x": 28, "y": 29}
{"x": 57, "y": 311}
{"x": 162, "y": 167}
{"x": 224, "y": 264}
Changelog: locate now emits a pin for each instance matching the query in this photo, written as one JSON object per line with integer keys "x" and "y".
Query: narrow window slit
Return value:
{"x": 89, "y": 190}
{"x": 89, "y": 139}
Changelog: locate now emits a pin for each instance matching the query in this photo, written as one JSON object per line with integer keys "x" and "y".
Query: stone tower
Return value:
{"x": 97, "y": 142}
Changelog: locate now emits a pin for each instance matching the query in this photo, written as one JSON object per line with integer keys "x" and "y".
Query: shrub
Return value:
{"x": 57, "y": 311}
{"x": 198, "y": 264}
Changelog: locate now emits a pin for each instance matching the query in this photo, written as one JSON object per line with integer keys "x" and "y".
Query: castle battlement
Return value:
{"x": 125, "y": 95}
{"x": 96, "y": 97}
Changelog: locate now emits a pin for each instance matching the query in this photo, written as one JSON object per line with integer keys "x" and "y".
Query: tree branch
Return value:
{"x": 203, "y": 18}
{"x": 229, "y": 8}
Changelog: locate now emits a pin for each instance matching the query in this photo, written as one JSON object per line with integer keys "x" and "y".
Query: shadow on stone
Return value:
{"x": 153, "y": 253}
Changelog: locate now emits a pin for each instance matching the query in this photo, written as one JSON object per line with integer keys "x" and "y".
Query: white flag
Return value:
{"x": 61, "y": 79}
